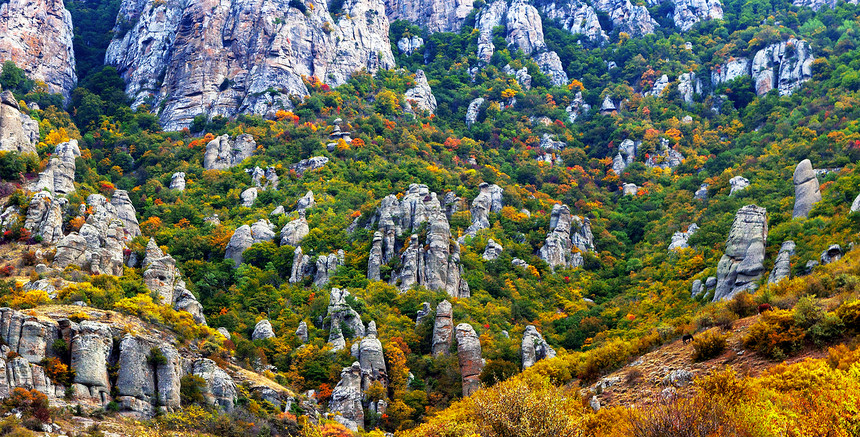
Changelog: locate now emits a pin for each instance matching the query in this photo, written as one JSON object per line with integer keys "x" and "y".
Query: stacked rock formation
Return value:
{"x": 437, "y": 267}
{"x": 321, "y": 272}
{"x": 420, "y": 96}
{"x": 534, "y": 348}
{"x": 340, "y": 316}
{"x": 806, "y": 192}
{"x": 347, "y": 399}
{"x": 565, "y": 233}
{"x": 443, "y": 329}
{"x": 246, "y": 236}
{"x": 488, "y": 200}
{"x": 281, "y": 42}
{"x": 293, "y": 232}
{"x": 162, "y": 277}
{"x": 177, "y": 181}
{"x": 742, "y": 264}
{"x": 679, "y": 239}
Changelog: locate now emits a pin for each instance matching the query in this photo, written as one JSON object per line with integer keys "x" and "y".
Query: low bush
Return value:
{"x": 708, "y": 344}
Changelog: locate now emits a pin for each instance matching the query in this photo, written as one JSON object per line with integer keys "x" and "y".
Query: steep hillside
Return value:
{"x": 326, "y": 217}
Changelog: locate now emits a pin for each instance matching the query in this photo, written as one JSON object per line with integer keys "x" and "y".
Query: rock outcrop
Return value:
{"x": 818, "y": 4}
{"x": 177, "y": 181}
{"x": 469, "y": 355}
{"x": 45, "y": 217}
{"x": 37, "y": 35}
{"x": 806, "y": 192}
{"x": 246, "y": 236}
{"x": 223, "y": 153}
{"x": 241, "y": 56}
{"x": 731, "y": 70}
{"x": 782, "y": 265}
{"x": 410, "y": 45}
{"x": 220, "y": 390}
{"x": 346, "y": 398}
{"x": 784, "y": 66}
{"x": 432, "y": 15}
{"x": 630, "y": 189}
{"x": 437, "y": 266}
{"x": 293, "y": 232}
{"x": 679, "y": 239}
{"x": 832, "y": 254}
{"x": 162, "y": 277}
{"x": 492, "y": 251}
{"x": 18, "y": 132}
{"x": 249, "y": 196}
{"x": 742, "y": 264}
{"x": 342, "y": 316}
{"x": 488, "y": 200}
{"x": 326, "y": 267}
{"x": 98, "y": 247}
{"x": 310, "y": 164}
{"x": 306, "y": 202}
{"x": 666, "y": 158}
{"x": 565, "y": 233}
{"x": 263, "y": 330}
{"x": 577, "y": 108}
{"x": 443, "y": 329}
{"x": 627, "y": 17}
{"x": 738, "y": 183}
{"x": 626, "y": 155}
{"x": 575, "y": 17}
{"x": 420, "y": 96}
{"x": 302, "y": 332}
{"x": 689, "y": 12}
{"x": 855, "y": 206}
{"x": 534, "y": 348}
{"x": 473, "y": 110}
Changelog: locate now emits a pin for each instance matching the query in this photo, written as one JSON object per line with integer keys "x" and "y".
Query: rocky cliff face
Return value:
{"x": 432, "y": 15}
{"x": 742, "y": 264}
{"x": 140, "y": 385}
{"x": 689, "y": 12}
{"x": 784, "y": 66}
{"x": 241, "y": 56}
{"x": 37, "y": 36}
{"x": 575, "y": 17}
{"x": 627, "y": 17}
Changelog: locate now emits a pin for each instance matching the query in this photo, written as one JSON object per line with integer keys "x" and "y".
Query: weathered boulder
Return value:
{"x": 679, "y": 239}
{"x": 697, "y": 288}
{"x": 301, "y": 266}
{"x": 469, "y": 355}
{"x": 493, "y": 250}
{"x": 738, "y": 183}
{"x": 302, "y": 332}
{"x": 731, "y": 70}
{"x": 832, "y": 254}
{"x": 474, "y": 108}
{"x": 626, "y": 155}
{"x": 488, "y": 200}
{"x": 326, "y": 267}
{"x": 293, "y": 232}
{"x": 443, "y": 329}
{"x": 855, "y": 206}
{"x": 522, "y": 76}
{"x": 223, "y": 331}
{"x": 667, "y": 158}
{"x": 310, "y": 164}
{"x": 37, "y": 36}
{"x": 45, "y": 217}
{"x": 220, "y": 390}
{"x": 409, "y": 46}
{"x": 346, "y": 398}
{"x": 306, "y": 202}
{"x": 742, "y": 264}
{"x": 248, "y": 197}
{"x": 630, "y": 189}
{"x": 420, "y": 96}
{"x": 702, "y": 192}
{"x": 782, "y": 265}
{"x": 246, "y": 236}
{"x": 18, "y": 132}
{"x": 98, "y": 246}
{"x": 688, "y": 86}
{"x": 678, "y": 378}
{"x": 223, "y": 152}
{"x": 806, "y": 192}
{"x": 534, "y": 348}
{"x": 423, "y": 312}
{"x": 262, "y": 330}
{"x": 177, "y": 181}
{"x": 577, "y": 108}
{"x": 90, "y": 349}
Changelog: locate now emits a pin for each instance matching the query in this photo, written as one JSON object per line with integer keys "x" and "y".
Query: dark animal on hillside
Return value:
{"x": 764, "y": 307}
{"x": 687, "y": 338}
